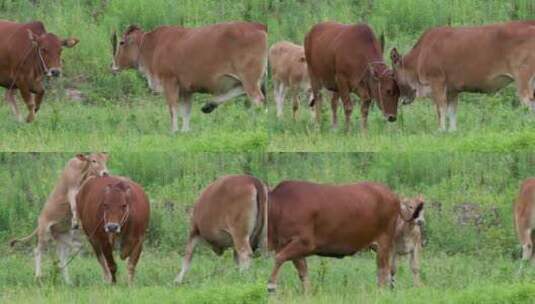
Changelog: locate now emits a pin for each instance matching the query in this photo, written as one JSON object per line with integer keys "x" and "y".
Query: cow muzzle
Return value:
{"x": 112, "y": 228}
{"x": 391, "y": 118}
{"x": 54, "y": 72}
{"x": 104, "y": 173}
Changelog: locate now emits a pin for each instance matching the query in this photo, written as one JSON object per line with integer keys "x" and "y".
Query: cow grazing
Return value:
{"x": 409, "y": 236}
{"x": 525, "y": 218}
{"x": 349, "y": 59}
{"x": 27, "y": 54}
{"x": 55, "y": 219}
{"x": 289, "y": 73}
{"x": 230, "y": 212}
{"x": 226, "y": 60}
{"x": 332, "y": 221}
{"x": 114, "y": 211}
{"x": 482, "y": 59}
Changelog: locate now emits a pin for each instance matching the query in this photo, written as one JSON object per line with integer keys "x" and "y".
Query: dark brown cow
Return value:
{"x": 332, "y": 221}
{"x": 349, "y": 59}
{"x": 27, "y": 54}
{"x": 231, "y": 212}
{"x": 114, "y": 210}
{"x": 483, "y": 59}
{"x": 525, "y": 218}
{"x": 227, "y": 60}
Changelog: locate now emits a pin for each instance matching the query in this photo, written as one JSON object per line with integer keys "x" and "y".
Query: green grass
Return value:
{"x": 212, "y": 279}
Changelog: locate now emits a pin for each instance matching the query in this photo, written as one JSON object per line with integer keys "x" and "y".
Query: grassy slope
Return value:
{"x": 448, "y": 279}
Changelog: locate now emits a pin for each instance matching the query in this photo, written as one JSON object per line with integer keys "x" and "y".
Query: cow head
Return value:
{"x": 49, "y": 48}
{"x": 96, "y": 163}
{"x": 126, "y": 51}
{"x": 385, "y": 91}
{"x": 412, "y": 210}
{"x": 403, "y": 77}
{"x": 116, "y": 206}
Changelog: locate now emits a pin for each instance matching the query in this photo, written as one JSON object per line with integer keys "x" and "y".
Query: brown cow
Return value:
{"x": 231, "y": 212}
{"x": 59, "y": 215}
{"x": 483, "y": 59}
{"x": 27, "y": 54}
{"x": 525, "y": 218}
{"x": 332, "y": 221}
{"x": 289, "y": 73}
{"x": 114, "y": 211}
{"x": 409, "y": 236}
{"x": 225, "y": 60}
{"x": 349, "y": 59}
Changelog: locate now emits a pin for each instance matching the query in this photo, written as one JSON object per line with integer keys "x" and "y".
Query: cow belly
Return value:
{"x": 491, "y": 85}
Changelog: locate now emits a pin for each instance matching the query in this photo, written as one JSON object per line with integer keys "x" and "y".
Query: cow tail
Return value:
{"x": 259, "y": 235}
{"x": 24, "y": 239}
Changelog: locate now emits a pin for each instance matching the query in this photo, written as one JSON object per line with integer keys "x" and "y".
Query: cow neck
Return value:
{"x": 39, "y": 71}
{"x": 139, "y": 61}
{"x": 381, "y": 74}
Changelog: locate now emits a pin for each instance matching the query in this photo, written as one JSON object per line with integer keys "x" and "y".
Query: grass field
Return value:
{"x": 448, "y": 279}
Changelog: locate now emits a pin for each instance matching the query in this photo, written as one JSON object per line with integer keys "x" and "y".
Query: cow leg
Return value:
{"x": 334, "y": 109}
{"x": 107, "y": 251}
{"x": 220, "y": 99}
{"x": 393, "y": 268}
{"x": 171, "y": 95}
{"x": 295, "y": 105}
{"x": 527, "y": 244}
{"x": 186, "y": 262}
{"x": 71, "y": 197}
{"x": 11, "y": 100}
{"x": 384, "y": 257}
{"x": 39, "y": 97}
{"x": 452, "y": 111}
{"x": 38, "y": 252}
{"x": 441, "y": 102}
{"x": 297, "y": 248}
{"x": 343, "y": 91}
{"x": 524, "y": 79}
{"x": 186, "y": 111}
{"x": 106, "y": 274}
{"x": 62, "y": 246}
{"x": 279, "y": 98}
{"x": 30, "y": 104}
{"x": 132, "y": 261}
{"x": 415, "y": 266}
{"x": 243, "y": 250}
{"x": 302, "y": 270}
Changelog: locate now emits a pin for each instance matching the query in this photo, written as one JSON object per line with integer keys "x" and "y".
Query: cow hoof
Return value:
{"x": 209, "y": 107}
{"x": 271, "y": 288}
{"x": 75, "y": 226}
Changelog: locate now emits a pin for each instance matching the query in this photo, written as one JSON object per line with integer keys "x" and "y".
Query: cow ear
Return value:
{"x": 421, "y": 199}
{"x": 70, "y": 42}
{"x": 396, "y": 57}
{"x": 105, "y": 155}
{"x": 33, "y": 38}
{"x": 81, "y": 157}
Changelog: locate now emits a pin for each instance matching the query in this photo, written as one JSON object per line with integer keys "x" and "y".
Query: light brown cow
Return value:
{"x": 483, "y": 59}
{"x": 349, "y": 59}
{"x": 230, "y": 212}
{"x": 525, "y": 218}
{"x": 27, "y": 54}
{"x": 289, "y": 73}
{"x": 332, "y": 221}
{"x": 226, "y": 60}
{"x": 60, "y": 208}
{"x": 409, "y": 236}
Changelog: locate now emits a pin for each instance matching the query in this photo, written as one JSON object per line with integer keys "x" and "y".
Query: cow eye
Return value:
{"x": 121, "y": 42}
{"x": 94, "y": 161}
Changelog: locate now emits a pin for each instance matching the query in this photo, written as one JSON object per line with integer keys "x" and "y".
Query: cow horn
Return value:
{"x": 114, "y": 42}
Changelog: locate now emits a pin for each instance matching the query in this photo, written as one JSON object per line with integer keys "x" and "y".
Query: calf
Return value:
{"x": 230, "y": 212}
{"x": 114, "y": 211}
{"x": 59, "y": 209}
{"x": 349, "y": 59}
{"x": 409, "y": 236}
{"x": 27, "y": 54}
{"x": 226, "y": 60}
{"x": 289, "y": 73}
{"x": 314, "y": 219}
{"x": 525, "y": 218}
